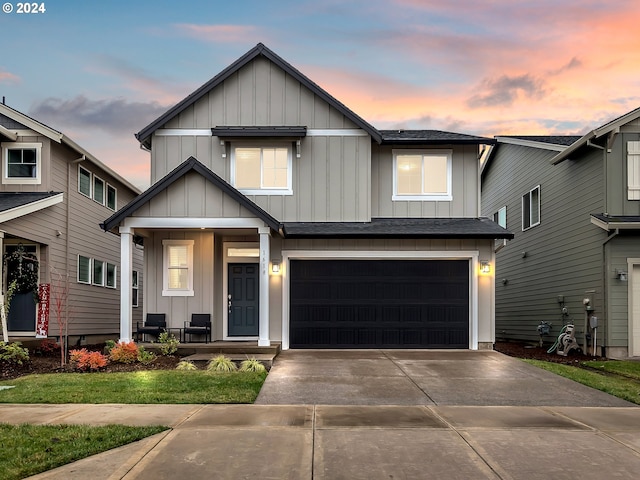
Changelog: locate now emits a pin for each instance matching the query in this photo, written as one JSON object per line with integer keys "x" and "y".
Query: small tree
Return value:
{"x": 60, "y": 307}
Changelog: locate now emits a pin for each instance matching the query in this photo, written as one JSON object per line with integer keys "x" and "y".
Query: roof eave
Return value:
{"x": 488, "y": 141}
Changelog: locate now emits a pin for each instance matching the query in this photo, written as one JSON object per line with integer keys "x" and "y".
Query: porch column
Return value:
{"x": 265, "y": 254}
{"x": 3, "y": 316}
{"x": 126, "y": 280}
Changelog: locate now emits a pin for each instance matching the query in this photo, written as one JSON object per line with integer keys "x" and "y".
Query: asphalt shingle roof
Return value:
{"x": 9, "y": 200}
{"x": 564, "y": 140}
{"x": 431, "y": 137}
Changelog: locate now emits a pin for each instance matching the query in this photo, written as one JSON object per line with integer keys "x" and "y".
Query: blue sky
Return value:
{"x": 101, "y": 71}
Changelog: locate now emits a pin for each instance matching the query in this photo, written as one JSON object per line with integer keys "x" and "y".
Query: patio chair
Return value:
{"x": 155, "y": 324}
{"x": 200, "y": 324}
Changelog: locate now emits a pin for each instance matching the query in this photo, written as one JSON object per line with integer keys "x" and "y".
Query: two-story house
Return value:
{"x": 289, "y": 218}
{"x": 53, "y": 196}
{"x": 574, "y": 203}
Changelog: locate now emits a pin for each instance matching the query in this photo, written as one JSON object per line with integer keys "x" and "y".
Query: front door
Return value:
{"x": 22, "y": 308}
{"x": 243, "y": 300}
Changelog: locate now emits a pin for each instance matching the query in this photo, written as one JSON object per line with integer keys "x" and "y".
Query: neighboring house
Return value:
{"x": 574, "y": 203}
{"x": 53, "y": 196}
{"x": 289, "y": 218}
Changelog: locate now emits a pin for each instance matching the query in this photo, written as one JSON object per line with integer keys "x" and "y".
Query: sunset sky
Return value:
{"x": 101, "y": 71}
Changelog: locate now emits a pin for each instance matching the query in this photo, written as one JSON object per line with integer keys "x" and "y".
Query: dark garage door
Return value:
{"x": 379, "y": 304}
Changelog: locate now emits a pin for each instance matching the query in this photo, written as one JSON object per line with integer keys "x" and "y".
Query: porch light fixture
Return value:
{"x": 621, "y": 275}
{"x": 485, "y": 267}
{"x": 275, "y": 266}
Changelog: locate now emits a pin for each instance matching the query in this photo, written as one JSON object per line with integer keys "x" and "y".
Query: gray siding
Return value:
{"x": 465, "y": 188}
{"x": 93, "y": 309}
{"x": 561, "y": 256}
{"x": 331, "y": 179}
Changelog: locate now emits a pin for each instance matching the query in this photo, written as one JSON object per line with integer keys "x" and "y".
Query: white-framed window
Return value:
{"x": 84, "y": 269}
{"x": 262, "y": 170}
{"x": 423, "y": 175}
{"x": 98, "y": 273}
{"x": 531, "y": 208}
{"x": 112, "y": 197}
{"x": 633, "y": 170}
{"x": 178, "y": 268}
{"x": 112, "y": 271}
{"x": 98, "y": 190}
{"x": 84, "y": 181}
{"x": 500, "y": 217}
{"x": 134, "y": 288}
{"x": 21, "y": 163}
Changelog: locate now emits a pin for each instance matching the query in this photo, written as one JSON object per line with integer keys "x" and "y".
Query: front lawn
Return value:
{"x": 153, "y": 387}
{"x": 618, "y": 378}
{"x": 27, "y": 450}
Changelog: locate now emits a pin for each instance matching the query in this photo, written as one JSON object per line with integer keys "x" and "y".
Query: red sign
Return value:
{"x": 42, "y": 323}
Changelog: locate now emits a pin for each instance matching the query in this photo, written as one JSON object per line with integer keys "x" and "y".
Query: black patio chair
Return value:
{"x": 155, "y": 324}
{"x": 200, "y": 324}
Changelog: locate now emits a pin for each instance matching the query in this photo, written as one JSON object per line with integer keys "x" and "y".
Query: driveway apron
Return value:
{"x": 419, "y": 377}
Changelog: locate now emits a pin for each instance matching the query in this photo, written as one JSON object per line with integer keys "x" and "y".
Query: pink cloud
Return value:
{"x": 8, "y": 77}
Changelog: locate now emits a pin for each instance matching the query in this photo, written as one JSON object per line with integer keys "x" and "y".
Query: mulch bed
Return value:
{"x": 535, "y": 352}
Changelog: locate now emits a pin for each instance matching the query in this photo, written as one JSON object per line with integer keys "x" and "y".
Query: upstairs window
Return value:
{"x": 500, "y": 217}
{"x": 633, "y": 170}
{"x": 84, "y": 181}
{"x": 21, "y": 163}
{"x": 422, "y": 175}
{"x": 531, "y": 208}
{"x": 262, "y": 170}
{"x": 111, "y": 197}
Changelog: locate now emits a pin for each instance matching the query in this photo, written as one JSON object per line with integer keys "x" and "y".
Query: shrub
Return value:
{"x": 186, "y": 365}
{"x": 108, "y": 346}
{"x": 13, "y": 353}
{"x": 252, "y": 365}
{"x": 86, "y": 361}
{"x": 145, "y": 357}
{"x": 168, "y": 343}
{"x": 48, "y": 347}
{"x": 124, "y": 352}
{"x": 221, "y": 364}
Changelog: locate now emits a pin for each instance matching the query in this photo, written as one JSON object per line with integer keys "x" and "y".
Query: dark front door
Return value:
{"x": 22, "y": 308}
{"x": 379, "y": 304}
{"x": 243, "y": 300}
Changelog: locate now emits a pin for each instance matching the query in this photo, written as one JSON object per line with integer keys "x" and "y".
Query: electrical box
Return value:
{"x": 593, "y": 321}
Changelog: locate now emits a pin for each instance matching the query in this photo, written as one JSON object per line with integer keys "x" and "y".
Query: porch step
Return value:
{"x": 244, "y": 349}
{"x": 203, "y": 358}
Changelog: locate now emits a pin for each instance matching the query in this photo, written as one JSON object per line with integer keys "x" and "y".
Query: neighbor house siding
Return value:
{"x": 465, "y": 186}
{"x": 561, "y": 256}
{"x": 616, "y": 175}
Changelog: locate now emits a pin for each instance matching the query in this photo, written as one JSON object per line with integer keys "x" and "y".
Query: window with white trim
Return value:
{"x": 84, "y": 269}
{"x": 500, "y": 217}
{"x": 111, "y": 197}
{"x": 134, "y": 288}
{"x": 262, "y": 170}
{"x": 178, "y": 267}
{"x": 633, "y": 170}
{"x": 422, "y": 175}
{"x": 98, "y": 190}
{"x": 21, "y": 163}
{"x": 98, "y": 273}
{"x": 531, "y": 208}
{"x": 111, "y": 275}
{"x": 84, "y": 181}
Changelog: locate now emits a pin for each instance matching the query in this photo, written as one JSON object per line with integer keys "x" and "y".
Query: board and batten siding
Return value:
{"x": 563, "y": 255}
{"x": 465, "y": 186}
{"x": 332, "y": 177}
{"x": 616, "y": 178}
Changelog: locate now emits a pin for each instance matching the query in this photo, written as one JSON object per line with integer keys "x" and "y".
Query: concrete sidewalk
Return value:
{"x": 355, "y": 442}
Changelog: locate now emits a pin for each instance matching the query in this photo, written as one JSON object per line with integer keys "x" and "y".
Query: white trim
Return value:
{"x": 608, "y": 226}
{"x": 78, "y": 269}
{"x": 104, "y": 190}
{"x": 126, "y": 263}
{"x": 471, "y": 255}
{"x": 633, "y": 343}
{"x": 90, "y": 195}
{"x": 426, "y": 197}
{"x": 166, "y": 291}
{"x": 95, "y": 262}
{"x": 187, "y": 132}
{"x": 226, "y": 260}
{"x": 5, "y": 132}
{"x": 529, "y": 194}
{"x": 6, "y": 146}
{"x": 263, "y": 311}
{"x": 106, "y": 198}
{"x": 532, "y": 143}
{"x": 30, "y": 207}
{"x": 266, "y": 143}
{"x": 192, "y": 222}
{"x": 336, "y": 132}
{"x": 115, "y": 276}
{"x": 135, "y": 286}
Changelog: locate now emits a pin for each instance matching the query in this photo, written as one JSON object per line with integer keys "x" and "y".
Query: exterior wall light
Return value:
{"x": 485, "y": 267}
{"x": 621, "y": 275}
{"x": 275, "y": 266}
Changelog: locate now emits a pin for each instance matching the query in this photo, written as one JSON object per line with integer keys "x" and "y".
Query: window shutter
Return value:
{"x": 633, "y": 170}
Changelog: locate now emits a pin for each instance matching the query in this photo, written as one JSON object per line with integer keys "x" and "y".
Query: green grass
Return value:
{"x": 158, "y": 386}
{"x": 26, "y": 450}
{"x": 619, "y": 386}
{"x": 625, "y": 369}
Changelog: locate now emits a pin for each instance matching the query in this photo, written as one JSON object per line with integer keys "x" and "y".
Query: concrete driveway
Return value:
{"x": 419, "y": 377}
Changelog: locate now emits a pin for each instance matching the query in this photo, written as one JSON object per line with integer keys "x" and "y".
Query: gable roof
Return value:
{"x": 431, "y": 137}
{"x": 57, "y": 137}
{"x": 611, "y": 127}
{"x": 259, "y": 50}
{"x": 18, "y": 204}
{"x": 549, "y": 142}
{"x": 189, "y": 165}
